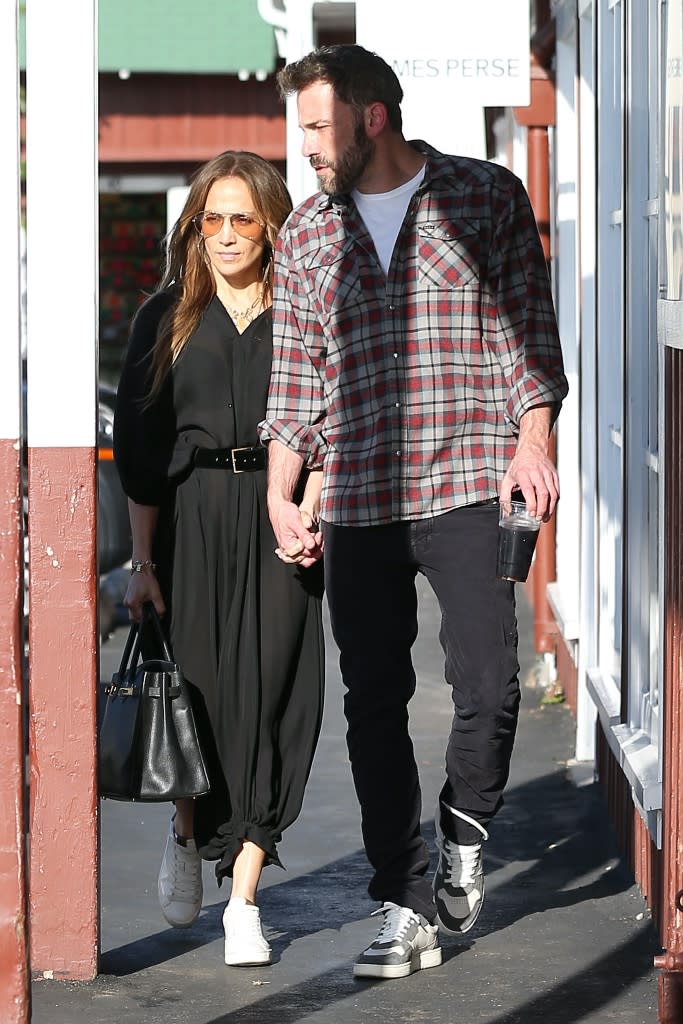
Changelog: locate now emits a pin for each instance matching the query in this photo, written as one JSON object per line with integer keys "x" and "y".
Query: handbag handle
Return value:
{"x": 134, "y": 639}
{"x": 150, "y": 611}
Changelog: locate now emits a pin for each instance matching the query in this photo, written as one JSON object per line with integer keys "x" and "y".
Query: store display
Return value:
{"x": 132, "y": 230}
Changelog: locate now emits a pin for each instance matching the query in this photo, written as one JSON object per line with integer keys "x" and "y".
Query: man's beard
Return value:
{"x": 348, "y": 169}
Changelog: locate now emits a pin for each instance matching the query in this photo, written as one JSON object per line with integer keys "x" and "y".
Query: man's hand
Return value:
{"x": 531, "y": 469}
{"x": 299, "y": 538}
{"x": 298, "y": 541}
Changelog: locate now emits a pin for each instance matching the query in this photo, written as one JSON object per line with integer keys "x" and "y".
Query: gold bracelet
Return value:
{"x": 141, "y": 566}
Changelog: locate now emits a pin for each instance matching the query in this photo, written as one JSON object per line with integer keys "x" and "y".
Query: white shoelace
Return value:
{"x": 247, "y": 921}
{"x": 252, "y": 924}
{"x": 463, "y": 862}
{"x": 186, "y": 878}
{"x": 397, "y": 920}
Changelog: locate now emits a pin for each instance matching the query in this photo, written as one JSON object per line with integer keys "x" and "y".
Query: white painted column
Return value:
{"x": 295, "y": 37}
{"x": 301, "y": 179}
{"x": 587, "y": 323}
{"x": 61, "y": 186}
{"x": 62, "y": 284}
{"x": 10, "y": 203}
{"x": 568, "y": 456}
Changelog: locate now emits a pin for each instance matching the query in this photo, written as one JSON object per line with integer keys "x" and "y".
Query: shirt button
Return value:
{"x": 397, "y": 404}
{"x": 395, "y": 355}
{"x": 397, "y": 453}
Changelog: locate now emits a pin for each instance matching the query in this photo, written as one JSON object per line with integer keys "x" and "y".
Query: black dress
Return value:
{"x": 245, "y": 628}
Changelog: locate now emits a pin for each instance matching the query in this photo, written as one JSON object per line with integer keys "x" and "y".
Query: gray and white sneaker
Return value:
{"x": 406, "y": 942}
{"x": 180, "y": 881}
{"x": 459, "y": 878}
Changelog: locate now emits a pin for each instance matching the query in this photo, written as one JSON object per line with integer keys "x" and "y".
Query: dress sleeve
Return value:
{"x": 144, "y": 432}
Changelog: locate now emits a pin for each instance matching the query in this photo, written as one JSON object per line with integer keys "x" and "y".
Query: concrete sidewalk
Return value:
{"x": 564, "y": 935}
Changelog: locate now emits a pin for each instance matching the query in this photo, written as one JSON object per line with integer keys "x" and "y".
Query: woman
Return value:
{"x": 245, "y": 627}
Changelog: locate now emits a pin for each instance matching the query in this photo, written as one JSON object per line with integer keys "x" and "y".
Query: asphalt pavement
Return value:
{"x": 564, "y": 935}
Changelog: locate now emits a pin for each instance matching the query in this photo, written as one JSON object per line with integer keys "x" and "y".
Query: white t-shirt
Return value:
{"x": 383, "y": 214}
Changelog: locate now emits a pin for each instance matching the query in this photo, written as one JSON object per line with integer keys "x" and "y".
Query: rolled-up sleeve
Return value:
{"x": 527, "y": 338}
{"x": 295, "y": 412}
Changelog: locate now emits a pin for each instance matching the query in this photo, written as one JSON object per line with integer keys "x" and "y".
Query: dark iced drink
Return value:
{"x": 517, "y": 535}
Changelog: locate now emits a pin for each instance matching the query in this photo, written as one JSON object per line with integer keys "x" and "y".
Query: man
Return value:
{"x": 417, "y": 361}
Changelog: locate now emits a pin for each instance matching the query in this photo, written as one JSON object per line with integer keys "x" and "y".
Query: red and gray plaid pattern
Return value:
{"x": 409, "y": 389}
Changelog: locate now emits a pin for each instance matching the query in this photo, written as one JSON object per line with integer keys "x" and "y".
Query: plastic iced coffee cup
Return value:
{"x": 517, "y": 536}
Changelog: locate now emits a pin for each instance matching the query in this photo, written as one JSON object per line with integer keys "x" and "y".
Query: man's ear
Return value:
{"x": 375, "y": 119}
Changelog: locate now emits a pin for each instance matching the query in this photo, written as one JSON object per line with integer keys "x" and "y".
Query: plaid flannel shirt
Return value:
{"x": 408, "y": 389}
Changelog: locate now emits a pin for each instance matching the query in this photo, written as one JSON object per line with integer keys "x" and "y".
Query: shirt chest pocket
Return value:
{"x": 333, "y": 279}
{"x": 450, "y": 254}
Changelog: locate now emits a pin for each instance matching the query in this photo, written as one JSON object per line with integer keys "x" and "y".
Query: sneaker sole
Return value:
{"x": 420, "y": 961}
{"x": 179, "y": 924}
{"x": 236, "y": 961}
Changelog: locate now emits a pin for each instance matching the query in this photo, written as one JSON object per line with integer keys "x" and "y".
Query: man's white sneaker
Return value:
{"x": 180, "y": 881}
{"x": 245, "y": 945}
{"x": 458, "y": 880}
{"x": 407, "y": 942}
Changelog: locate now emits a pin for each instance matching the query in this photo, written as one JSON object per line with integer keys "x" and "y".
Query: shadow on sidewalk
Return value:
{"x": 586, "y": 992}
{"x": 564, "y": 840}
{"x": 551, "y": 847}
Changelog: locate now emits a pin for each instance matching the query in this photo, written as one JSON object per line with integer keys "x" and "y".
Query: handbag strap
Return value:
{"x": 132, "y": 640}
{"x": 130, "y": 655}
{"x": 150, "y": 614}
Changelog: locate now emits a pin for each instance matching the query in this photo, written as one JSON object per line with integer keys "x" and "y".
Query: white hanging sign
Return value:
{"x": 453, "y": 51}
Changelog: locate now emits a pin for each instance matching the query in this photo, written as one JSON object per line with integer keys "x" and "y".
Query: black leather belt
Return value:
{"x": 239, "y": 460}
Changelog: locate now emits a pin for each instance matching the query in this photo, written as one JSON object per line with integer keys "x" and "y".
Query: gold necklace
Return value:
{"x": 242, "y": 317}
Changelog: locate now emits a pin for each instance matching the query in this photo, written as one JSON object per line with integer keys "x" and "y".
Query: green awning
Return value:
{"x": 183, "y": 37}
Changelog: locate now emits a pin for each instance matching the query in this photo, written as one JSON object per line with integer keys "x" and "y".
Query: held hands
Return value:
{"x": 297, "y": 529}
{"x": 143, "y": 586}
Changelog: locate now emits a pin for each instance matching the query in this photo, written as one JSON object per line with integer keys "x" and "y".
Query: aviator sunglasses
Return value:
{"x": 209, "y": 223}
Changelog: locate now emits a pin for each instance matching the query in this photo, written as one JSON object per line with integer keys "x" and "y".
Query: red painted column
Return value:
{"x": 670, "y": 981}
{"x": 63, "y": 662}
{"x": 14, "y": 994}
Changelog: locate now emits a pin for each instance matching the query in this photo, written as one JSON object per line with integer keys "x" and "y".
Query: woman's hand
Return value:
{"x": 297, "y": 553}
{"x": 143, "y": 586}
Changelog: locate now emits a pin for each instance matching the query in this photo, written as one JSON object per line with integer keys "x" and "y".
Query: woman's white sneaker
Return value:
{"x": 245, "y": 945}
{"x": 180, "y": 881}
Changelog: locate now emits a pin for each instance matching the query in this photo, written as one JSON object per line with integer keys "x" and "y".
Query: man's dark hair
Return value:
{"x": 357, "y": 76}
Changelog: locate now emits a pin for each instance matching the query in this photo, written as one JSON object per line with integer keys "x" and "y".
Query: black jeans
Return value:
{"x": 370, "y": 583}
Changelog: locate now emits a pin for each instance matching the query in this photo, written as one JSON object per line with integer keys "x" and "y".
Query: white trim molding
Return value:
{"x": 566, "y": 618}
{"x": 632, "y": 748}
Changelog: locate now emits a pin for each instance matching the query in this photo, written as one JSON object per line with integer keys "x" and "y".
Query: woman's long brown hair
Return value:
{"x": 186, "y": 265}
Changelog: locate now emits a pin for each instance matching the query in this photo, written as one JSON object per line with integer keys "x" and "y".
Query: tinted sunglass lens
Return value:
{"x": 210, "y": 223}
{"x": 243, "y": 224}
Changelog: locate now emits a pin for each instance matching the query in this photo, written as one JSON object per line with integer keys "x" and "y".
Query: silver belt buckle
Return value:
{"x": 233, "y": 452}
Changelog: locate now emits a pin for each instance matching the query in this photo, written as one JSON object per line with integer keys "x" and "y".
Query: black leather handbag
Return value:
{"x": 149, "y": 749}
